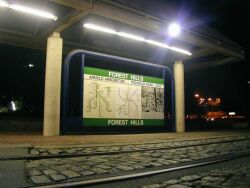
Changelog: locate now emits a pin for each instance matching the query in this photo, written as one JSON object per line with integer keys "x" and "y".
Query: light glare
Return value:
{"x": 4, "y": 4}
{"x": 174, "y": 29}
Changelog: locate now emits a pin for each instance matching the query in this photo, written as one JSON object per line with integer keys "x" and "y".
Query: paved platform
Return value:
{"x": 29, "y": 139}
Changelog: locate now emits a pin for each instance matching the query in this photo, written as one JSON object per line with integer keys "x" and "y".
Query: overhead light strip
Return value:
{"x": 135, "y": 37}
{"x": 131, "y": 36}
{"x": 28, "y": 10}
{"x": 99, "y": 28}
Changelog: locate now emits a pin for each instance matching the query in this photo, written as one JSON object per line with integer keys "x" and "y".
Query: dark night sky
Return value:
{"x": 229, "y": 82}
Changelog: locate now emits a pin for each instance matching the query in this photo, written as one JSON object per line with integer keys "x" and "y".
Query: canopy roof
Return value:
{"x": 146, "y": 18}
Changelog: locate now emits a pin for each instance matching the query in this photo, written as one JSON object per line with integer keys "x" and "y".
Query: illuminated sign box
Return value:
{"x": 113, "y": 98}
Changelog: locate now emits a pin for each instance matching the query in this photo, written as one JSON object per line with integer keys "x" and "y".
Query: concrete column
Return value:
{"x": 51, "y": 121}
{"x": 179, "y": 97}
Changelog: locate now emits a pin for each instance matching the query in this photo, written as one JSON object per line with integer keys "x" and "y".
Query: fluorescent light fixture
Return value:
{"x": 99, "y": 28}
{"x": 180, "y": 50}
{"x": 135, "y": 37}
{"x": 169, "y": 47}
{"x": 131, "y": 36}
{"x": 4, "y": 4}
{"x": 28, "y": 10}
{"x": 33, "y": 12}
{"x": 157, "y": 44}
{"x": 174, "y": 29}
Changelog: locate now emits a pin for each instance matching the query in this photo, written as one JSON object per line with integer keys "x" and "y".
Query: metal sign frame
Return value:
{"x": 65, "y": 119}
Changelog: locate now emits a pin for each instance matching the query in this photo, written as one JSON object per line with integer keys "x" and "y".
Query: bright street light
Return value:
{"x": 13, "y": 106}
{"x": 30, "y": 65}
{"x": 135, "y": 37}
{"x": 174, "y": 29}
{"x": 231, "y": 113}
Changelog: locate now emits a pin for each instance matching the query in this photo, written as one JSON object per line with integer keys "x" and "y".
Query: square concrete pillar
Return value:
{"x": 179, "y": 97}
{"x": 51, "y": 123}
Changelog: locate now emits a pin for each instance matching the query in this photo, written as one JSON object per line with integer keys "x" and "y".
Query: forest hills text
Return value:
{"x": 120, "y": 75}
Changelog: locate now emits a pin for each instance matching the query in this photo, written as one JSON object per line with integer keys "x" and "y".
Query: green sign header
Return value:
{"x": 122, "y": 76}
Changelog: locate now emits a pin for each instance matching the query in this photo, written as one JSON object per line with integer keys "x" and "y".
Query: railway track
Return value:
{"x": 90, "y": 169}
{"x": 147, "y": 174}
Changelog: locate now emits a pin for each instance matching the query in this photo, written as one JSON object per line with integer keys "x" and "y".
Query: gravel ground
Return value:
{"x": 68, "y": 169}
{"x": 234, "y": 176}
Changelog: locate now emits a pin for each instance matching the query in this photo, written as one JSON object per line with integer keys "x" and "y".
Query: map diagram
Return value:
{"x": 129, "y": 102}
{"x": 98, "y": 100}
{"x": 106, "y": 98}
